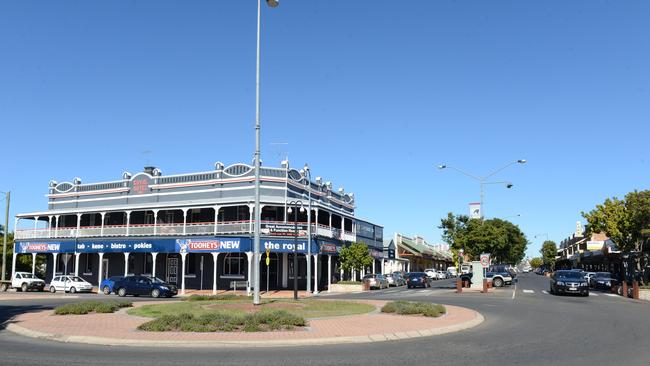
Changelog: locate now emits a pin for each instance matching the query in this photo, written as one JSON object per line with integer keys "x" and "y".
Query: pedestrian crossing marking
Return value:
{"x": 529, "y": 291}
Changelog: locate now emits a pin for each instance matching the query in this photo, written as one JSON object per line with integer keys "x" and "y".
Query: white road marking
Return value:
{"x": 514, "y": 291}
{"x": 529, "y": 291}
{"x": 545, "y": 292}
{"x": 612, "y": 295}
{"x": 593, "y": 294}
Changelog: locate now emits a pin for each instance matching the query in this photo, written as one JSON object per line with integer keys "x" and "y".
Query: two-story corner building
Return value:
{"x": 196, "y": 230}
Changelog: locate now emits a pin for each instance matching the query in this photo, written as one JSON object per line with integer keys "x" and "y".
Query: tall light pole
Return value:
{"x": 483, "y": 179}
{"x": 258, "y": 216}
{"x": 5, "y": 230}
{"x": 295, "y": 204}
{"x": 306, "y": 172}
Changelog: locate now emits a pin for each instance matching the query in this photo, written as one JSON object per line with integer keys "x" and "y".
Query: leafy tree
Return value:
{"x": 626, "y": 222}
{"x": 24, "y": 262}
{"x": 536, "y": 262}
{"x": 355, "y": 257}
{"x": 502, "y": 239}
{"x": 549, "y": 251}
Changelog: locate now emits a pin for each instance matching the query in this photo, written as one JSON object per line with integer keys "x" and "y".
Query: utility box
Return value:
{"x": 477, "y": 275}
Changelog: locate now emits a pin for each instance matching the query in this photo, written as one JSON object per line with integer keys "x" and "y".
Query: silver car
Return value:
{"x": 375, "y": 280}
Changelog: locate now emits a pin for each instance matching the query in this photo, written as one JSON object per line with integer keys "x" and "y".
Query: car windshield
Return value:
{"x": 368, "y": 276}
{"x": 603, "y": 275}
{"x": 569, "y": 274}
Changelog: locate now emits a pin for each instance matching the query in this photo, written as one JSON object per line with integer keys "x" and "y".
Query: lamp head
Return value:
{"x": 272, "y": 3}
{"x": 509, "y": 185}
{"x": 442, "y": 166}
{"x": 306, "y": 168}
{"x": 521, "y": 161}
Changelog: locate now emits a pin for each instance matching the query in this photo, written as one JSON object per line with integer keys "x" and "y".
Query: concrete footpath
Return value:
{"x": 120, "y": 329}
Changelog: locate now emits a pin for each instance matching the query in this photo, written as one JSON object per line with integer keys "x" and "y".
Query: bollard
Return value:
{"x": 624, "y": 289}
{"x": 635, "y": 290}
{"x": 459, "y": 285}
{"x": 485, "y": 286}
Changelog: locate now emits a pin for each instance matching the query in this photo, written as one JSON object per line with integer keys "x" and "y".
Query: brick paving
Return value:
{"x": 124, "y": 327}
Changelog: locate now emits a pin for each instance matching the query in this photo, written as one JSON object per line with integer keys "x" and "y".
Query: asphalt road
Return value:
{"x": 523, "y": 326}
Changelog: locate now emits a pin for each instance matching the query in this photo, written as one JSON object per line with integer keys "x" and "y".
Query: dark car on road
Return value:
{"x": 602, "y": 281}
{"x": 418, "y": 279}
{"x": 142, "y": 285}
{"x": 107, "y": 284}
{"x": 569, "y": 282}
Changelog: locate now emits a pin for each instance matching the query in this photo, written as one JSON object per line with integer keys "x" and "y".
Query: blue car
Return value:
{"x": 142, "y": 285}
{"x": 107, "y": 284}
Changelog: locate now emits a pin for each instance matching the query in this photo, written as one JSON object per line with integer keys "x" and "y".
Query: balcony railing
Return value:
{"x": 164, "y": 229}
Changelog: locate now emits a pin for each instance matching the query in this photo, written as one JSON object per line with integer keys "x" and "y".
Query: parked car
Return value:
{"x": 432, "y": 273}
{"x": 70, "y": 284}
{"x": 442, "y": 275}
{"x": 399, "y": 278}
{"x": 24, "y": 281}
{"x": 602, "y": 281}
{"x": 375, "y": 280}
{"x": 141, "y": 285}
{"x": 107, "y": 284}
{"x": 418, "y": 279}
{"x": 465, "y": 268}
{"x": 452, "y": 271}
{"x": 588, "y": 276}
{"x": 500, "y": 276}
{"x": 391, "y": 279}
{"x": 563, "y": 282}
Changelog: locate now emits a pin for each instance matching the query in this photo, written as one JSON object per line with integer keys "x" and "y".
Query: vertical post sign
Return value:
{"x": 268, "y": 263}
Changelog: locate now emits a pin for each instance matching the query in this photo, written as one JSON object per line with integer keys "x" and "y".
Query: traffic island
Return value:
{"x": 121, "y": 328}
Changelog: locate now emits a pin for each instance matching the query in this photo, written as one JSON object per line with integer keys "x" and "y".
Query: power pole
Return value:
{"x": 6, "y": 229}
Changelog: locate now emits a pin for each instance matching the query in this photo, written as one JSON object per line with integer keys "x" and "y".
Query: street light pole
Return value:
{"x": 6, "y": 230}
{"x": 307, "y": 171}
{"x": 256, "y": 161}
{"x": 483, "y": 180}
{"x": 295, "y": 244}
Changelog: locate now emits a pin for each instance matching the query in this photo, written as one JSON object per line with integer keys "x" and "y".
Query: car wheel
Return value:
{"x": 106, "y": 290}
{"x": 155, "y": 293}
{"x": 4, "y": 287}
{"x": 497, "y": 282}
{"x": 121, "y": 292}
{"x": 24, "y": 287}
{"x": 52, "y": 289}
{"x": 73, "y": 290}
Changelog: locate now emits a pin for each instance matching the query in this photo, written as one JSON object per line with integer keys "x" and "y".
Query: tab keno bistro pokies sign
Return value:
{"x": 124, "y": 246}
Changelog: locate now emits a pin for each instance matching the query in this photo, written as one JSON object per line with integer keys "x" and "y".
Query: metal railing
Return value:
{"x": 165, "y": 229}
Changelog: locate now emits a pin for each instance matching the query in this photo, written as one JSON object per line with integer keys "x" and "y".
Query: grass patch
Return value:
{"x": 303, "y": 308}
{"x": 221, "y": 321}
{"x": 85, "y": 307}
{"x": 349, "y": 283}
{"x": 414, "y": 308}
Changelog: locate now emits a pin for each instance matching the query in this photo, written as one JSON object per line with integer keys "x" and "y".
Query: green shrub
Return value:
{"x": 414, "y": 308}
{"x": 85, "y": 307}
{"x": 218, "y": 321}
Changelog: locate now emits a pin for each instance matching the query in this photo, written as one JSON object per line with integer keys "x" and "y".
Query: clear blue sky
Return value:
{"x": 373, "y": 94}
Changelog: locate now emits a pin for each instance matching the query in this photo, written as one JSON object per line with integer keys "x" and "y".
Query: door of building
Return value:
{"x": 172, "y": 270}
{"x": 104, "y": 268}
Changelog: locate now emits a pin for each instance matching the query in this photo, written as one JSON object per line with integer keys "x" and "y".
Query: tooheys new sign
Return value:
{"x": 212, "y": 245}
{"x": 44, "y": 247}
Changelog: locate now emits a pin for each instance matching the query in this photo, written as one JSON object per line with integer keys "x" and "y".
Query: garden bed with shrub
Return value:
{"x": 86, "y": 307}
{"x": 414, "y": 308}
{"x": 261, "y": 321}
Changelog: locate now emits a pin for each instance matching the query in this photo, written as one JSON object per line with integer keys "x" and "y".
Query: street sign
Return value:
{"x": 485, "y": 260}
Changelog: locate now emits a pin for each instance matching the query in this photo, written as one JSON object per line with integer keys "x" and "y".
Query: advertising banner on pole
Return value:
{"x": 475, "y": 210}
